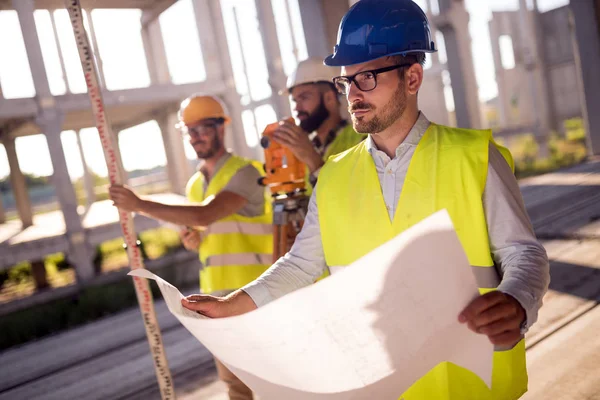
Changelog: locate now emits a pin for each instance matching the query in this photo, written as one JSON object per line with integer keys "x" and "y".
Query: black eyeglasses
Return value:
{"x": 364, "y": 80}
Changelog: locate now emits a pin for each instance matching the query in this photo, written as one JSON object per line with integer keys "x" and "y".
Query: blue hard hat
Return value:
{"x": 377, "y": 28}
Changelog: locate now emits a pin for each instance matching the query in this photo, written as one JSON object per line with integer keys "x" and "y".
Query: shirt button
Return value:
{"x": 389, "y": 171}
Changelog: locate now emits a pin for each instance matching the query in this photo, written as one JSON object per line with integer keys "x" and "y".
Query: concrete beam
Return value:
{"x": 145, "y": 117}
{"x": 150, "y": 15}
{"x": 586, "y": 38}
{"x": 177, "y": 165}
{"x": 88, "y": 181}
{"x": 18, "y": 108}
{"x": 154, "y": 49}
{"x": 18, "y": 184}
{"x": 162, "y": 93}
{"x": 80, "y": 251}
{"x": 56, "y": 4}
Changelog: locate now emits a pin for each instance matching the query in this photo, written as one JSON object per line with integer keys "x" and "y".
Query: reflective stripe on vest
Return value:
{"x": 223, "y": 260}
{"x": 236, "y": 249}
{"x": 245, "y": 228}
{"x": 448, "y": 171}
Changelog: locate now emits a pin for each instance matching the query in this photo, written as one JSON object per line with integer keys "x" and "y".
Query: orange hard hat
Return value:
{"x": 198, "y": 107}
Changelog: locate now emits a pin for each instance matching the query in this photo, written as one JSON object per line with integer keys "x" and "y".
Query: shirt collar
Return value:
{"x": 412, "y": 139}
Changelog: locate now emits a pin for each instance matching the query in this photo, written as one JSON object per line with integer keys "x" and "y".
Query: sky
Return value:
{"x": 124, "y": 67}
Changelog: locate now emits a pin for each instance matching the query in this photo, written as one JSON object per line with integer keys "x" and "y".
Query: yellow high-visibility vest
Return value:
{"x": 236, "y": 249}
{"x": 448, "y": 171}
{"x": 345, "y": 139}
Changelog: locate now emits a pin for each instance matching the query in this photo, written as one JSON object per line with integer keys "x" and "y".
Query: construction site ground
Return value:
{"x": 109, "y": 359}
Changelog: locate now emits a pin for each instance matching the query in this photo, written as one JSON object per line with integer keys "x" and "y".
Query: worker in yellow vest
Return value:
{"x": 322, "y": 132}
{"x": 230, "y": 219}
{"x": 407, "y": 169}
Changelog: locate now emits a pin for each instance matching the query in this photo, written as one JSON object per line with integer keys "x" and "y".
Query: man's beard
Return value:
{"x": 212, "y": 150}
{"x": 390, "y": 113}
{"x": 316, "y": 118}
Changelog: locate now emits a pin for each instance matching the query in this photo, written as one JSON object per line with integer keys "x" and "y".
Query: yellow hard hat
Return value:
{"x": 198, "y": 107}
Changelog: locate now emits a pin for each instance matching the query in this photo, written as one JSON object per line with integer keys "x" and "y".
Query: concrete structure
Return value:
{"x": 525, "y": 90}
{"x": 586, "y": 38}
{"x": 453, "y": 22}
{"x": 554, "y": 77}
{"x": 50, "y": 115}
{"x": 252, "y": 101}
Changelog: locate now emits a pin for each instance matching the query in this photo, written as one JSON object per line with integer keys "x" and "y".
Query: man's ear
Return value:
{"x": 413, "y": 78}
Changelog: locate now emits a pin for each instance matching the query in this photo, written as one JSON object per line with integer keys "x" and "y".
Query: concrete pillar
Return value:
{"x": 88, "y": 181}
{"x": 97, "y": 56}
{"x": 453, "y": 22}
{"x": 154, "y": 48}
{"x": 50, "y": 122}
{"x": 536, "y": 77}
{"x": 18, "y": 184}
{"x": 277, "y": 78}
{"x": 333, "y": 11}
{"x": 25, "y": 9}
{"x": 213, "y": 40}
{"x": 586, "y": 38}
{"x": 503, "y": 112}
{"x": 40, "y": 277}
{"x": 2, "y": 213}
{"x": 60, "y": 51}
{"x": 431, "y": 95}
{"x": 80, "y": 251}
{"x": 316, "y": 31}
{"x": 177, "y": 165}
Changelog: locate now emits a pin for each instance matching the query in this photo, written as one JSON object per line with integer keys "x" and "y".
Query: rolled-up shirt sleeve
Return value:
{"x": 522, "y": 259}
{"x": 300, "y": 267}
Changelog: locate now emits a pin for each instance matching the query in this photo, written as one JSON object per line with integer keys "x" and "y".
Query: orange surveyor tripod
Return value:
{"x": 285, "y": 177}
{"x": 288, "y": 218}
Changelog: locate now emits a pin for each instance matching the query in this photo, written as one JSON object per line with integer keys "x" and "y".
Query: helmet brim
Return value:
{"x": 338, "y": 60}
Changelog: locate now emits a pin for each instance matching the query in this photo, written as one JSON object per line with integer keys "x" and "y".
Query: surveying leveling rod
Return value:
{"x": 116, "y": 176}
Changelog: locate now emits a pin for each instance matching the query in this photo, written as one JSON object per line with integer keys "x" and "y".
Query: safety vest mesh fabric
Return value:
{"x": 236, "y": 249}
{"x": 448, "y": 171}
